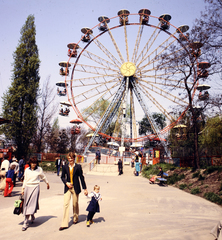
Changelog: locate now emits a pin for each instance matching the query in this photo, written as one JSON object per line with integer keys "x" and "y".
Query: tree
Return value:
{"x": 145, "y": 126}
{"x": 46, "y": 110}
{"x": 182, "y": 64}
{"x": 52, "y": 136}
{"x": 20, "y": 100}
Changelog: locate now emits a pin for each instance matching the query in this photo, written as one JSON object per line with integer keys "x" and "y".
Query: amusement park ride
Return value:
{"x": 116, "y": 62}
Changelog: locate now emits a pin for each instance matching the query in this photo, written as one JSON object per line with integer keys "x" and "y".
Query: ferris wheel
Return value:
{"x": 114, "y": 78}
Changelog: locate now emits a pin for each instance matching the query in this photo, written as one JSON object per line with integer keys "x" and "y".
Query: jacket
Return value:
{"x": 77, "y": 174}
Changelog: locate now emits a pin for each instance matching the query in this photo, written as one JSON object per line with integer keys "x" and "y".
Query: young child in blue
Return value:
{"x": 93, "y": 206}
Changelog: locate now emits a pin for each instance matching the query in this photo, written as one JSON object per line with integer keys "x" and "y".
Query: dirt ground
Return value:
{"x": 205, "y": 182}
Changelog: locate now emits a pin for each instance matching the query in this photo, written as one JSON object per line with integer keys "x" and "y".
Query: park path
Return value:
{"x": 131, "y": 209}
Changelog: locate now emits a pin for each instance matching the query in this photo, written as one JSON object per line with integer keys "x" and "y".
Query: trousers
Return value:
{"x": 75, "y": 203}
{"x": 8, "y": 187}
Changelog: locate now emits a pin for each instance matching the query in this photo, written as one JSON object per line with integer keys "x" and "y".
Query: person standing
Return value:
{"x": 21, "y": 168}
{"x": 63, "y": 162}
{"x": 120, "y": 167}
{"x": 98, "y": 156}
{"x": 9, "y": 181}
{"x": 71, "y": 173}
{"x": 58, "y": 165}
{"x": 5, "y": 164}
{"x": 15, "y": 163}
{"x": 31, "y": 189}
{"x": 137, "y": 167}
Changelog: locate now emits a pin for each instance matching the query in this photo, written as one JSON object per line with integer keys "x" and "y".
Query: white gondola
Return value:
{"x": 61, "y": 85}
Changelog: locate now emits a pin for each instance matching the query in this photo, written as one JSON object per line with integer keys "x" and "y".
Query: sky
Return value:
{"x": 59, "y": 23}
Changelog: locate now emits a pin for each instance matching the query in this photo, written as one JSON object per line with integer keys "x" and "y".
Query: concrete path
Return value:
{"x": 131, "y": 209}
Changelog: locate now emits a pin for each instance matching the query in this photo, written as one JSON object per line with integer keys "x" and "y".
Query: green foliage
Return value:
{"x": 213, "y": 197}
{"x": 196, "y": 174}
{"x": 220, "y": 188}
{"x": 145, "y": 126}
{"x": 20, "y": 100}
{"x": 213, "y": 133}
{"x": 48, "y": 166}
{"x": 147, "y": 171}
{"x": 182, "y": 186}
{"x": 195, "y": 191}
{"x": 175, "y": 178}
{"x": 200, "y": 178}
{"x": 212, "y": 169}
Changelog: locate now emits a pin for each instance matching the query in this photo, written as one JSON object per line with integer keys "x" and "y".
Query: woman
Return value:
{"x": 30, "y": 190}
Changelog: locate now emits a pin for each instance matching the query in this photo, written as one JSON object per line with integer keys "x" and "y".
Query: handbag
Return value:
{"x": 18, "y": 206}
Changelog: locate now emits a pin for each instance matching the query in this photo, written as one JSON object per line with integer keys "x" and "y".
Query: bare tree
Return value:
{"x": 46, "y": 111}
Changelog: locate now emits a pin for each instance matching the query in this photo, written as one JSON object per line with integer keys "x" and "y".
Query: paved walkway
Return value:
{"x": 131, "y": 209}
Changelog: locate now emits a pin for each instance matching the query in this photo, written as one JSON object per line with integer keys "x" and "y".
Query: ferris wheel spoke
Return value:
{"x": 93, "y": 92}
{"x": 115, "y": 44}
{"x": 147, "y": 46}
{"x": 91, "y": 81}
{"x": 164, "y": 94}
{"x": 158, "y": 105}
{"x": 99, "y": 60}
{"x": 166, "y": 82}
{"x": 137, "y": 43}
{"x": 107, "y": 52}
{"x": 126, "y": 42}
{"x": 94, "y": 69}
{"x": 156, "y": 69}
{"x": 158, "y": 57}
{"x": 155, "y": 52}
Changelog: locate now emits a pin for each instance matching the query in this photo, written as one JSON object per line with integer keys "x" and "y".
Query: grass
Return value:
{"x": 182, "y": 186}
{"x": 148, "y": 171}
{"x": 195, "y": 191}
{"x": 213, "y": 197}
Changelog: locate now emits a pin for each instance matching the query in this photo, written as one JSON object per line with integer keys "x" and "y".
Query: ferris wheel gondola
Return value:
{"x": 64, "y": 110}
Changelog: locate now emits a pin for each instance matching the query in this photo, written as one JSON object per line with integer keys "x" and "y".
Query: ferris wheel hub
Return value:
{"x": 128, "y": 69}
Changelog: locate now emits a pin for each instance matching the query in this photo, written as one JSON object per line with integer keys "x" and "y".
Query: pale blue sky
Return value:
{"x": 59, "y": 23}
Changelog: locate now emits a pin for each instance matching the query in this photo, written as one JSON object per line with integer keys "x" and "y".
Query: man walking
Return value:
{"x": 71, "y": 173}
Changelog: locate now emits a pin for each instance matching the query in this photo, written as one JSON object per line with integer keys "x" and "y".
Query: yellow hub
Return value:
{"x": 128, "y": 69}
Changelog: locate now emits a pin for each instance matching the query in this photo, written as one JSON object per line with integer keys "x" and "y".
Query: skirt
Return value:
{"x": 31, "y": 200}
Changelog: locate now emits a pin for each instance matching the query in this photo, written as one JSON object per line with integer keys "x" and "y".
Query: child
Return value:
{"x": 9, "y": 181}
{"x": 93, "y": 206}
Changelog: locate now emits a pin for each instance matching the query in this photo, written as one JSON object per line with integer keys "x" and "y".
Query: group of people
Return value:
{"x": 72, "y": 175}
{"x": 10, "y": 169}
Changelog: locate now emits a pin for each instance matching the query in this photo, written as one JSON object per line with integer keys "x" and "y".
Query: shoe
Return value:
{"x": 91, "y": 221}
{"x": 75, "y": 222}
{"x": 62, "y": 228}
{"x": 24, "y": 227}
{"x": 88, "y": 224}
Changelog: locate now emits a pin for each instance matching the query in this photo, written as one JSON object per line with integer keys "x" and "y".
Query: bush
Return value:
{"x": 48, "y": 166}
{"x": 213, "y": 197}
{"x": 211, "y": 169}
{"x": 182, "y": 186}
{"x": 220, "y": 186}
{"x": 195, "y": 191}
{"x": 196, "y": 174}
{"x": 175, "y": 178}
{"x": 200, "y": 178}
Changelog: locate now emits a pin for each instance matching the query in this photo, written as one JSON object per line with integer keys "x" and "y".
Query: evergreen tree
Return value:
{"x": 20, "y": 100}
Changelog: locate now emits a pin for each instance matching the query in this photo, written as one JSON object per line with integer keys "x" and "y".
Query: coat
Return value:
{"x": 77, "y": 174}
